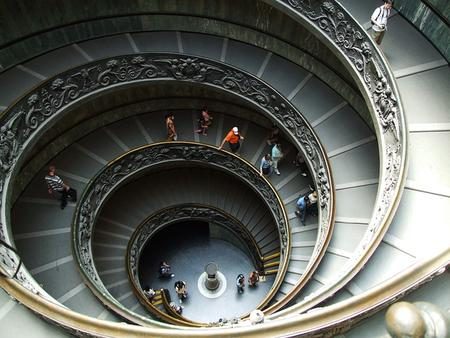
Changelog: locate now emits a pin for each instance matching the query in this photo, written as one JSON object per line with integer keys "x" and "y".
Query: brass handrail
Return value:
{"x": 252, "y": 247}
{"x": 331, "y": 23}
{"x": 166, "y": 317}
{"x": 175, "y": 315}
{"x": 334, "y": 318}
{"x": 133, "y": 275}
{"x": 85, "y": 214}
{"x": 68, "y": 88}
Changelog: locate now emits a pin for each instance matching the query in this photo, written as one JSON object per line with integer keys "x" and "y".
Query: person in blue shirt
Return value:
{"x": 302, "y": 203}
{"x": 266, "y": 165}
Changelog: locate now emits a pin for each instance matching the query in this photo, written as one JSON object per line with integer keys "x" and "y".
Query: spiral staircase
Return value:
{"x": 332, "y": 284}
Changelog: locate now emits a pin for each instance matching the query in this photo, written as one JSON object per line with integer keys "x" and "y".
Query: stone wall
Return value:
{"x": 428, "y": 21}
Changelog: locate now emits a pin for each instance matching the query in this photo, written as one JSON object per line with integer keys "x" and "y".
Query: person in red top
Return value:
{"x": 233, "y": 138}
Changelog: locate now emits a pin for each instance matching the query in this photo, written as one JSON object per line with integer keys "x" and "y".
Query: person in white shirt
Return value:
{"x": 312, "y": 204}
{"x": 277, "y": 155}
{"x": 313, "y": 197}
{"x": 379, "y": 20}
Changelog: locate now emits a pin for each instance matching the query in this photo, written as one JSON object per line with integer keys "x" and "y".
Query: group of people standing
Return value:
{"x": 180, "y": 286}
{"x": 165, "y": 271}
{"x": 269, "y": 162}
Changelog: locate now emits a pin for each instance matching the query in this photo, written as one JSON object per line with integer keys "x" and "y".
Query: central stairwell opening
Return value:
{"x": 189, "y": 247}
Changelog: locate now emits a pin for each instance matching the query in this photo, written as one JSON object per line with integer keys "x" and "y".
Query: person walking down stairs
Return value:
{"x": 277, "y": 155}
{"x": 379, "y": 20}
{"x": 204, "y": 121}
{"x": 233, "y": 138}
{"x": 265, "y": 169}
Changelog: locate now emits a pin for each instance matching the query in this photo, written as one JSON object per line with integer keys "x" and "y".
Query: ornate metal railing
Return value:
{"x": 144, "y": 159}
{"x": 24, "y": 121}
{"x": 325, "y": 322}
{"x": 28, "y": 118}
{"x": 9, "y": 255}
{"x": 163, "y": 218}
{"x": 331, "y": 23}
{"x": 179, "y": 213}
{"x": 167, "y": 314}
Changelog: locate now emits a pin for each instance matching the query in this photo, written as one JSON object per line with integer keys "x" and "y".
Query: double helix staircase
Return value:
{"x": 42, "y": 231}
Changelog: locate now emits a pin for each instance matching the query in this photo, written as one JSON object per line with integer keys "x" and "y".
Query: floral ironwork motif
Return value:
{"x": 114, "y": 174}
{"x": 22, "y": 121}
{"x": 340, "y": 28}
{"x": 9, "y": 261}
{"x": 334, "y": 22}
{"x": 179, "y": 213}
{"x": 27, "y": 117}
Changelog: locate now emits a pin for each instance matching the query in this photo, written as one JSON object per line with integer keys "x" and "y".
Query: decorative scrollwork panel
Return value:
{"x": 142, "y": 159}
{"x": 25, "y": 120}
{"x": 330, "y": 21}
{"x": 161, "y": 219}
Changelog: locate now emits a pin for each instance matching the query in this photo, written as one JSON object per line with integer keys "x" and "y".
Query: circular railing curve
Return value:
{"x": 143, "y": 159}
{"x": 159, "y": 220}
{"x": 26, "y": 119}
{"x": 179, "y": 213}
{"x": 22, "y": 123}
{"x": 331, "y": 23}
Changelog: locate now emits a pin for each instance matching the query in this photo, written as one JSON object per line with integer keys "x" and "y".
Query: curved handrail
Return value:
{"x": 331, "y": 23}
{"x": 23, "y": 122}
{"x": 158, "y": 220}
{"x": 336, "y": 318}
{"x": 138, "y": 160}
{"x": 170, "y": 317}
{"x": 182, "y": 212}
{"x": 174, "y": 315}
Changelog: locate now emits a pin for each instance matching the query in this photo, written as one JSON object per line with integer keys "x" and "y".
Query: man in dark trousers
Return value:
{"x": 240, "y": 283}
{"x": 55, "y": 183}
{"x": 379, "y": 20}
{"x": 233, "y": 138}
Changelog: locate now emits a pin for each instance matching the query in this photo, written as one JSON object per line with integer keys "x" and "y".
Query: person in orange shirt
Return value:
{"x": 233, "y": 138}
